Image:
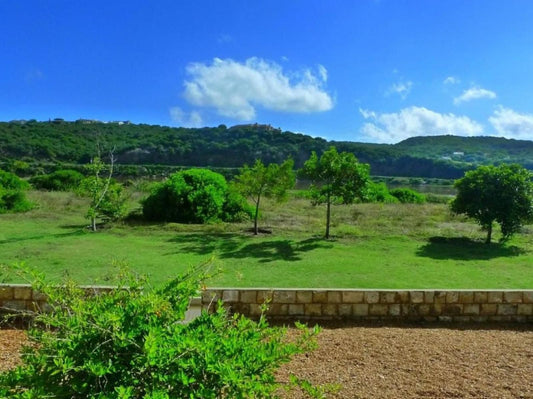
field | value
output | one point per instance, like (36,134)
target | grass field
(374,246)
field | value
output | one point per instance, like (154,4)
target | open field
(408,362)
(374,246)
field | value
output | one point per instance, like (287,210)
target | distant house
(458,154)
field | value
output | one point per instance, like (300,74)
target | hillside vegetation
(58,141)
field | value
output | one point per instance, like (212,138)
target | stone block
(296,309)
(284,297)
(320,297)
(402,297)
(479,319)
(395,309)
(488,309)
(471,309)
(388,297)
(466,297)
(507,310)
(278,309)
(330,310)
(255,309)
(6,293)
(15,305)
(495,297)
(334,297)
(378,309)
(440,297)
(304,296)
(462,319)
(372,297)
(352,296)
(417,296)
(445,319)
(512,297)
(452,309)
(436,309)
(230,296)
(424,309)
(528,297)
(525,309)
(345,309)
(452,297)
(209,296)
(38,296)
(249,296)
(264,296)
(313,309)
(429,296)
(360,309)
(480,297)
(22,293)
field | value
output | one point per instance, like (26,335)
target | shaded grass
(373,246)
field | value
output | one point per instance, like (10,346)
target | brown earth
(402,362)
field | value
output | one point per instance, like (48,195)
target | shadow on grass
(41,236)
(463,248)
(237,246)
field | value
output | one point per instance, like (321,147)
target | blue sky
(366,70)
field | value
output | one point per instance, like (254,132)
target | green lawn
(374,246)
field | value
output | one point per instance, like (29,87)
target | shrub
(60,180)
(132,343)
(12,195)
(378,192)
(408,196)
(194,196)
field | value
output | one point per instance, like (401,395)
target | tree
(270,181)
(106,195)
(12,193)
(502,194)
(194,196)
(336,178)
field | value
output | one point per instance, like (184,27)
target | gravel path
(402,362)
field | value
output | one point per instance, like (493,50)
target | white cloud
(474,93)
(511,124)
(235,89)
(415,121)
(401,88)
(451,80)
(193,119)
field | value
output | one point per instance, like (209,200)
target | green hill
(59,141)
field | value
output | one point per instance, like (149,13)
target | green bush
(133,343)
(12,195)
(194,196)
(60,180)
(408,196)
(378,192)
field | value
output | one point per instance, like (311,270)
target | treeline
(65,142)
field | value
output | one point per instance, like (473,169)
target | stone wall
(390,305)
(337,304)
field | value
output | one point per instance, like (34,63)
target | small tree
(270,181)
(502,194)
(12,193)
(336,178)
(106,195)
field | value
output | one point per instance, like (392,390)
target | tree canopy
(502,194)
(336,178)
(270,181)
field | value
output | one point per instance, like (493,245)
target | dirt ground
(402,361)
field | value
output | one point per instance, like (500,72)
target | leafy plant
(194,196)
(60,180)
(12,193)
(378,192)
(132,342)
(408,196)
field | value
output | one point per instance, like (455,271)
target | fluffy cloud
(451,80)
(193,119)
(474,93)
(235,89)
(401,88)
(415,121)
(511,124)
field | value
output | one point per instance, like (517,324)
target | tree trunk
(328,215)
(489,233)
(256,231)
(93,223)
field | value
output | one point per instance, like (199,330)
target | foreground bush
(60,180)
(12,193)
(195,196)
(133,343)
